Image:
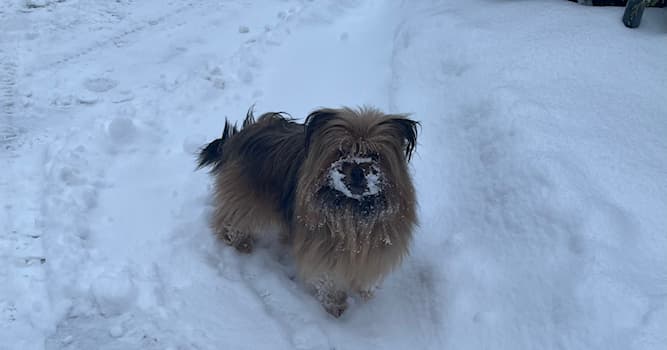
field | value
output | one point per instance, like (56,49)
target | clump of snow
(100,84)
(373,182)
(87,99)
(121,130)
(67,340)
(373,177)
(116,331)
(114,293)
(122,96)
(336,182)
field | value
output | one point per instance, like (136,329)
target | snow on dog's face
(356,177)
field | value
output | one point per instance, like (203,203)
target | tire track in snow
(26,306)
(24,303)
(118,38)
(8,130)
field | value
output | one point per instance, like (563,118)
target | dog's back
(256,167)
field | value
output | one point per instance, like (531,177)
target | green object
(634,10)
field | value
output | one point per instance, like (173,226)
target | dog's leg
(243,242)
(330,296)
(367,294)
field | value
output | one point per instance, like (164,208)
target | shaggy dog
(337,187)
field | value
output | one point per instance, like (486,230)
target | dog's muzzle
(355,177)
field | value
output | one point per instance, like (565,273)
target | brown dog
(337,187)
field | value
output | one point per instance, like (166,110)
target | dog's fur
(275,172)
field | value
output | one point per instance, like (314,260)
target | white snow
(373,179)
(540,171)
(373,183)
(121,130)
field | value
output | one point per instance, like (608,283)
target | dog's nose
(357,176)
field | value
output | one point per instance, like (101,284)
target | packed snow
(541,172)
(372,177)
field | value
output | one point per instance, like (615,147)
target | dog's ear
(407,130)
(316,120)
(249,117)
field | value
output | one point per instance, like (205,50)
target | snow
(540,172)
(373,178)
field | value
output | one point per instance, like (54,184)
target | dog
(337,187)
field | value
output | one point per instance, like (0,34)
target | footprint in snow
(100,84)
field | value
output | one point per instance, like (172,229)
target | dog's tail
(211,154)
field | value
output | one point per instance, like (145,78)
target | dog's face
(358,158)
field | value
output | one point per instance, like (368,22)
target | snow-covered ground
(541,172)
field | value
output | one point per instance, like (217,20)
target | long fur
(273,173)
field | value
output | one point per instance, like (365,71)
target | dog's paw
(334,302)
(245,245)
(242,242)
(367,295)
(336,310)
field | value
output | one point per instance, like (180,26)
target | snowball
(114,293)
(67,340)
(121,130)
(116,331)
